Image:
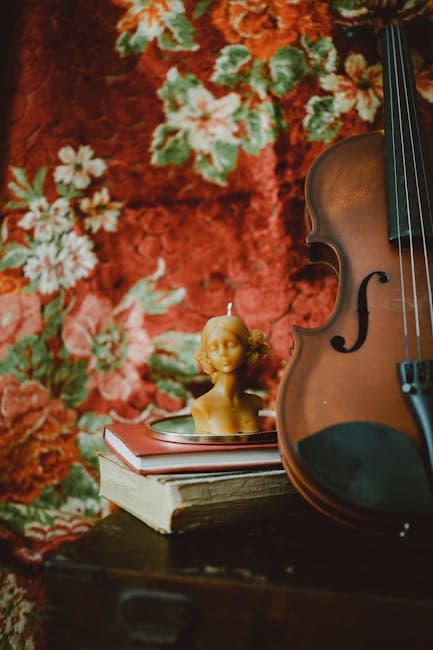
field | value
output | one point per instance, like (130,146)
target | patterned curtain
(153,159)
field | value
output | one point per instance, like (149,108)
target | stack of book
(175,487)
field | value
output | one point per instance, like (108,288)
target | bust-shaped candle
(227,351)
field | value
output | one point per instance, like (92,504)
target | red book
(147,455)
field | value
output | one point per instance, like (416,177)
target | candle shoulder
(215,413)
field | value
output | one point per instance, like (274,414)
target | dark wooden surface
(304,583)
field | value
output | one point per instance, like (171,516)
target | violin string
(424,165)
(410,101)
(397,203)
(424,179)
(408,207)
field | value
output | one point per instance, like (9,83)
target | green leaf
(29,359)
(288,66)
(80,485)
(166,42)
(92,422)
(71,379)
(258,135)
(74,392)
(209,172)
(183,33)
(32,287)
(20,191)
(53,316)
(4,230)
(12,516)
(228,64)
(18,515)
(223,161)
(21,177)
(131,43)
(48,499)
(68,191)
(16,205)
(169,146)
(14,257)
(322,54)
(23,187)
(174,92)
(53,307)
(172,388)
(90,445)
(39,179)
(174,354)
(257,80)
(152,301)
(201,8)
(321,122)
(225,155)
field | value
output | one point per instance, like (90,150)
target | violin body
(343,376)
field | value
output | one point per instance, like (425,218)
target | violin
(355,403)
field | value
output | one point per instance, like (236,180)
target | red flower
(114,341)
(19,315)
(264,27)
(37,445)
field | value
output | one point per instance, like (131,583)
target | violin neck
(409,178)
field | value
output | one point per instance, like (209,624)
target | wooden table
(304,583)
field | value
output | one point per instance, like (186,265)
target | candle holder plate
(180,428)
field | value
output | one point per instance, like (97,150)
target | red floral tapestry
(154,154)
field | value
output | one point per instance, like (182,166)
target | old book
(145,454)
(178,502)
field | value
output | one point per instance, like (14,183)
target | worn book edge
(175,502)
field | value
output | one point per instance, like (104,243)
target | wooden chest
(303,584)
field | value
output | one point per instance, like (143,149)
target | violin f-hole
(339,342)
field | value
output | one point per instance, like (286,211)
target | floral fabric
(153,170)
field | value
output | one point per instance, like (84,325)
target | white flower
(54,266)
(360,89)
(206,119)
(38,208)
(102,212)
(47,220)
(58,217)
(79,166)
(42,267)
(59,209)
(76,259)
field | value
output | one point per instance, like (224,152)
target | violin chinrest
(368,465)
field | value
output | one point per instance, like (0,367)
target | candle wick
(229,309)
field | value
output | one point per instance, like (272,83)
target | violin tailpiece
(416,378)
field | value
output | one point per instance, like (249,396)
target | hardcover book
(145,454)
(178,502)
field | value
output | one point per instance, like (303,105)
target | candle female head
(227,351)
(245,347)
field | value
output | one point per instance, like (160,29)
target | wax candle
(228,349)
